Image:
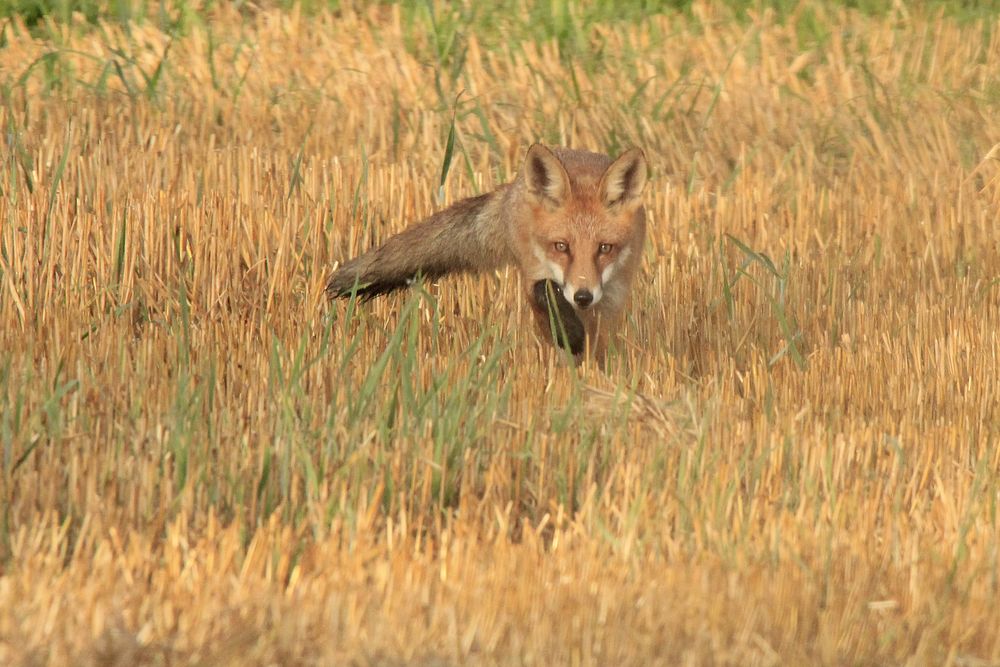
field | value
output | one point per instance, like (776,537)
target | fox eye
(605,248)
(561,246)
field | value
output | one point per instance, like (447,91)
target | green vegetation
(791,458)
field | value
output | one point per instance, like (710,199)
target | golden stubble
(795,466)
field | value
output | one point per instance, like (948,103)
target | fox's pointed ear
(623,182)
(544,176)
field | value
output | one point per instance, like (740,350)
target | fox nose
(583,298)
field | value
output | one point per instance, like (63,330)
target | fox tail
(465,237)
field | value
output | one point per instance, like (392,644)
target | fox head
(586,220)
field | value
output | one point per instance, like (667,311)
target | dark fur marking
(540,175)
(628,183)
(567,329)
(367,290)
(628,178)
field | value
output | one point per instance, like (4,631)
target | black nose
(583,298)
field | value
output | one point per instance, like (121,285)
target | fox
(573,224)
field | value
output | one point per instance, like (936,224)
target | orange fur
(572,217)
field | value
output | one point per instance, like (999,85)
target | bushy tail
(466,236)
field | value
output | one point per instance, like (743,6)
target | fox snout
(583,298)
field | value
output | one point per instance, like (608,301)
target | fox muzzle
(583,298)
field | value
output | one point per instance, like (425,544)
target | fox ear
(545,176)
(624,180)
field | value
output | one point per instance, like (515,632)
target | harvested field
(792,457)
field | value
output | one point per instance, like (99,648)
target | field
(791,458)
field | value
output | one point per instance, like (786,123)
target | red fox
(572,222)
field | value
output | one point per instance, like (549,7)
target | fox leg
(595,344)
(599,340)
(601,325)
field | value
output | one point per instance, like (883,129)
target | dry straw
(792,458)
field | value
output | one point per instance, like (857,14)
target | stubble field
(792,457)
